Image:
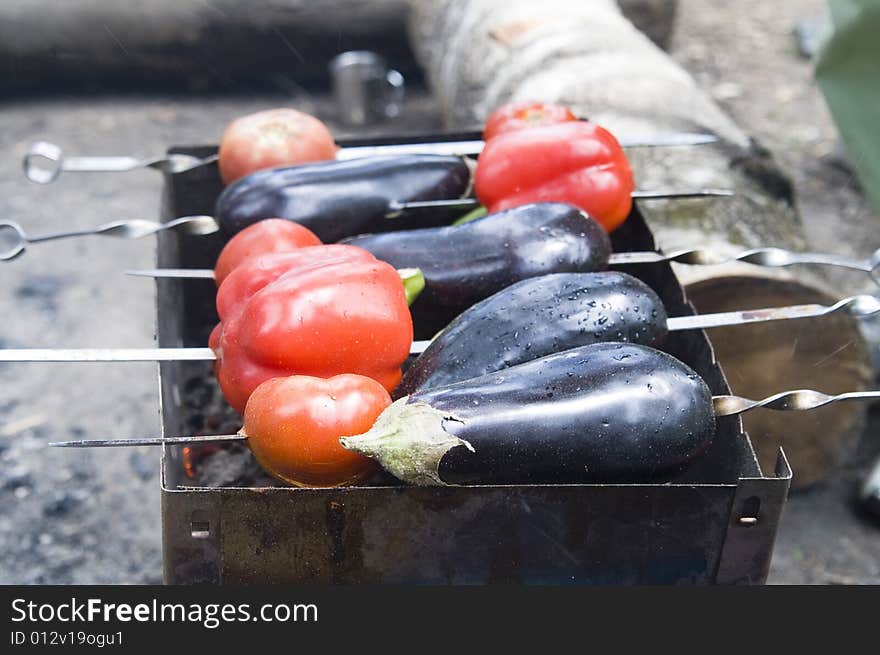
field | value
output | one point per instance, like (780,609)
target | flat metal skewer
(44,161)
(857,306)
(395,209)
(796,401)
(769,257)
(474,146)
(174,273)
(14,240)
(151,441)
(107,355)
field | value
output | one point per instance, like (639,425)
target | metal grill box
(714,523)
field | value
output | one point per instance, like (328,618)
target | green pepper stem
(413,282)
(472,215)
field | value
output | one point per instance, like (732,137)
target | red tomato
(261,238)
(276,137)
(519,115)
(294,424)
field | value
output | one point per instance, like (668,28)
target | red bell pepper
(519,115)
(259,270)
(329,310)
(254,273)
(575,162)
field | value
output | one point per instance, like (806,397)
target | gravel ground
(93,516)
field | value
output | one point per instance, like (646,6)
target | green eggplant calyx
(408,440)
(413,283)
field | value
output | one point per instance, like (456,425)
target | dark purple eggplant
(338,199)
(464,264)
(607,412)
(538,317)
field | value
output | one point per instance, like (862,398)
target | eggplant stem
(408,440)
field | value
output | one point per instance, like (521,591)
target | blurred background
(98,77)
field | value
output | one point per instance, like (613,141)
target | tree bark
(656,18)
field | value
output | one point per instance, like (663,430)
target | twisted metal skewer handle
(797,400)
(771,257)
(859,306)
(45,161)
(137,228)
(15,240)
(805,399)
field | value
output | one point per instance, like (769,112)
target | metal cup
(366,90)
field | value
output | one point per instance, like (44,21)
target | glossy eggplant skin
(338,199)
(467,263)
(538,317)
(608,412)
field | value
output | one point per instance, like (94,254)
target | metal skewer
(474,146)
(107,355)
(772,257)
(45,161)
(769,257)
(787,401)
(395,209)
(174,273)
(150,441)
(857,306)
(797,401)
(14,240)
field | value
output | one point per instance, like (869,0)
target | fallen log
(222,44)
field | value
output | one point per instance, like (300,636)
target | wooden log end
(828,354)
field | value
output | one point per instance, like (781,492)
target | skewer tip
(149,441)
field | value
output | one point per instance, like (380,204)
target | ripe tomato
(294,424)
(275,137)
(263,237)
(519,115)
